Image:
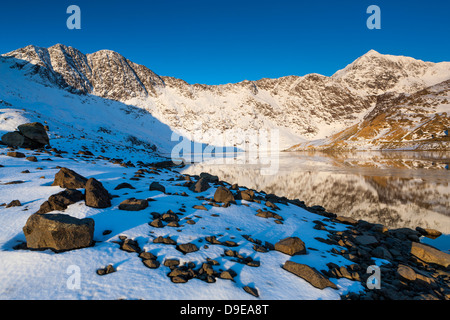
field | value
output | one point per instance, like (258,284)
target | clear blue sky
(216,42)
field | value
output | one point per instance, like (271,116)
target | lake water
(397,189)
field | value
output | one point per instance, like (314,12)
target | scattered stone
(130,245)
(222,194)
(96,195)
(200,186)
(66,178)
(32,159)
(15,154)
(145,255)
(247,195)
(252,291)
(406,273)
(156,186)
(14,203)
(152,264)
(291,246)
(109,269)
(157,223)
(187,248)
(164,240)
(309,274)
(133,204)
(171,263)
(124,185)
(346,220)
(59,232)
(429,254)
(228,274)
(429,233)
(200,207)
(61,200)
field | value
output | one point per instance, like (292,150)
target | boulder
(200,186)
(430,254)
(35,131)
(247,195)
(66,178)
(429,233)
(156,186)
(96,195)
(61,200)
(124,185)
(291,246)
(14,203)
(187,248)
(406,273)
(59,232)
(209,177)
(13,139)
(222,194)
(311,275)
(133,204)
(15,154)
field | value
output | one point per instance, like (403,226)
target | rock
(156,186)
(130,245)
(309,274)
(406,273)
(430,254)
(152,264)
(252,291)
(209,177)
(170,216)
(14,203)
(109,269)
(66,178)
(59,232)
(124,185)
(171,263)
(133,204)
(228,274)
(61,200)
(366,240)
(35,131)
(222,194)
(200,207)
(429,233)
(157,223)
(32,159)
(13,139)
(272,205)
(346,220)
(291,246)
(96,196)
(145,255)
(163,240)
(382,253)
(187,248)
(200,186)
(15,154)
(247,195)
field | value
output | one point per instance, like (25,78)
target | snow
(45,275)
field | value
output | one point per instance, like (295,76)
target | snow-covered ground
(26,274)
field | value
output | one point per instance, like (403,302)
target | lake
(397,189)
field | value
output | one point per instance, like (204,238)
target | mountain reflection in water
(397,189)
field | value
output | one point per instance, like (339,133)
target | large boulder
(200,186)
(291,246)
(35,131)
(311,275)
(66,178)
(222,194)
(96,195)
(59,232)
(61,200)
(13,139)
(430,254)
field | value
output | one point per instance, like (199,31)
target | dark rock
(145,255)
(157,223)
(133,204)
(156,186)
(130,245)
(14,203)
(222,194)
(96,195)
(429,233)
(61,200)
(15,154)
(291,246)
(187,248)
(200,186)
(32,159)
(35,131)
(13,139)
(309,274)
(66,178)
(209,177)
(346,220)
(124,185)
(247,195)
(59,232)
(109,269)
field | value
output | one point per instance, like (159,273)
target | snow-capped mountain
(302,109)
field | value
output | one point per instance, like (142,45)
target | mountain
(309,110)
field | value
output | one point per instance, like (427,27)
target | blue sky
(216,42)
